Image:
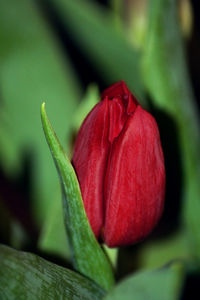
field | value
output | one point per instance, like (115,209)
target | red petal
(89,160)
(135,181)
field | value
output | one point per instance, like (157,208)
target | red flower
(119,162)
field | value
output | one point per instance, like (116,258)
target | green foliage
(53,235)
(157,253)
(164,283)
(88,257)
(33,68)
(27,276)
(53,239)
(167,80)
(91,98)
(92,28)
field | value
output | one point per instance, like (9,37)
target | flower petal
(89,160)
(135,181)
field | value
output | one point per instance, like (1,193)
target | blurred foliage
(105,47)
(53,238)
(166,77)
(62,52)
(164,283)
(33,68)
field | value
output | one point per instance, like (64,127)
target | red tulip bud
(119,162)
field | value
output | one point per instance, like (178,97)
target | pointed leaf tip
(89,259)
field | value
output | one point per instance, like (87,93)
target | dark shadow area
(191,287)
(127,261)
(104,2)
(174,181)
(5,224)
(15,206)
(15,195)
(53,258)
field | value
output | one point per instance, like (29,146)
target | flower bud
(119,162)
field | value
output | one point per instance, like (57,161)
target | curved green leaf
(53,235)
(28,276)
(89,259)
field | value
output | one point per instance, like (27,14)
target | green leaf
(28,276)
(89,258)
(164,283)
(93,30)
(112,254)
(155,254)
(166,77)
(53,235)
(33,69)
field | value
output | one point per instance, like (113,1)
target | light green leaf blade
(33,69)
(93,30)
(112,253)
(89,259)
(53,235)
(166,77)
(27,276)
(164,283)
